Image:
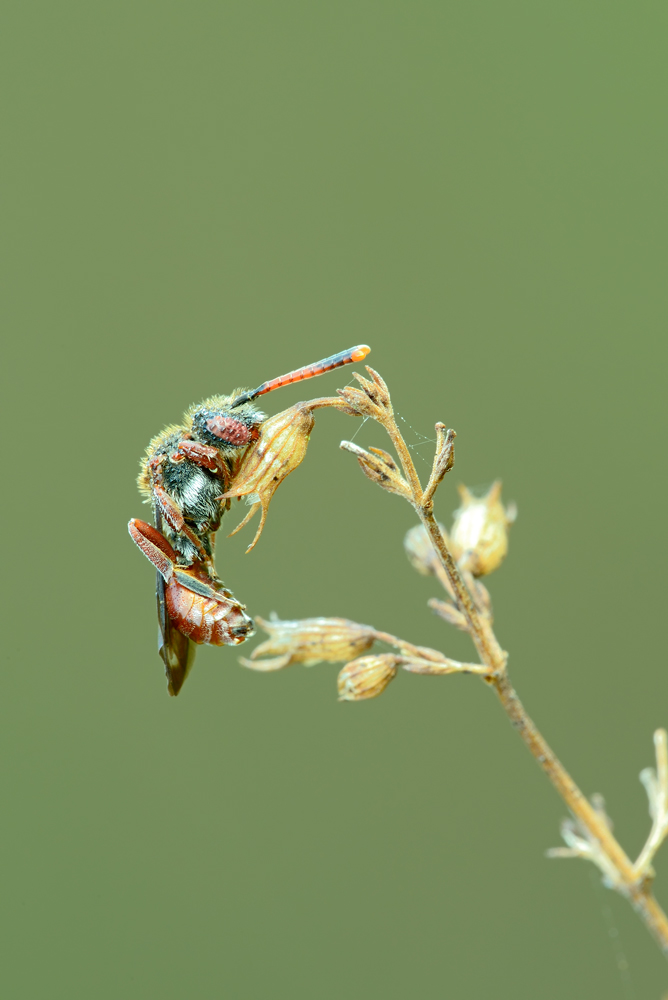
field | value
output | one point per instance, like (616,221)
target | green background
(202,195)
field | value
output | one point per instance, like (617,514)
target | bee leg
(155,547)
(204,455)
(174,518)
(176,649)
(168,508)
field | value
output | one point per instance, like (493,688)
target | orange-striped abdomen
(214,618)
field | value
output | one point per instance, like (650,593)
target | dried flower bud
(367,677)
(309,641)
(380,468)
(480,530)
(279,449)
(420,551)
(444,458)
(372,400)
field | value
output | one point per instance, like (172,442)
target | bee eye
(229,429)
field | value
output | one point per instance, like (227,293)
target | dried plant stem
(589,834)
(631,880)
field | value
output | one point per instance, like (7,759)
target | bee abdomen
(218,621)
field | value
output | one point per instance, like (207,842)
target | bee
(186,472)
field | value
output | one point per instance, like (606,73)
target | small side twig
(656,786)
(423,660)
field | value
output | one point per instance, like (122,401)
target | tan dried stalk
(589,834)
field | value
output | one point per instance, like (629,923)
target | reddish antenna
(308,371)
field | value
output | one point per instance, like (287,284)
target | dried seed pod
(480,530)
(279,449)
(380,468)
(309,641)
(367,677)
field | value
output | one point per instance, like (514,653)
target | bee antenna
(308,371)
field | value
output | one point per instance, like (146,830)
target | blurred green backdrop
(204,195)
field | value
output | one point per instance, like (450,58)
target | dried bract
(480,531)
(309,641)
(420,551)
(380,468)
(449,613)
(280,448)
(367,677)
(480,594)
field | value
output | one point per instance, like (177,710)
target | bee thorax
(212,424)
(229,429)
(195,490)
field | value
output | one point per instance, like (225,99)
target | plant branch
(629,879)
(589,834)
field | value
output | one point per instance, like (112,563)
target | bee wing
(176,650)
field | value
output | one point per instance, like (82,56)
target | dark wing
(176,649)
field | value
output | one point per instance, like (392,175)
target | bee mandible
(185,474)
